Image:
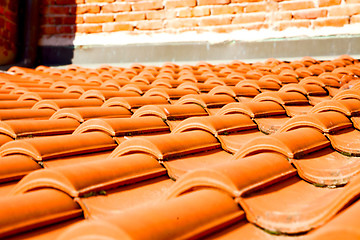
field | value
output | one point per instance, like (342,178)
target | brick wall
(66,17)
(8,34)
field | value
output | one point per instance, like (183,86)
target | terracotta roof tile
(233,150)
(66,103)
(194,214)
(82,114)
(273,208)
(12,114)
(132,103)
(47,207)
(21,128)
(45,148)
(80,179)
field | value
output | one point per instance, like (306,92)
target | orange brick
(256,7)
(79,19)
(282,25)
(67,2)
(116,7)
(66,29)
(201,11)
(89,28)
(179,3)
(214,21)
(149,25)
(281,16)
(331,22)
(310,13)
(249,18)
(327,3)
(212,2)
(48,29)
(52,9)
(87,8)
(62,19)
(220,29)
(131,16)
(344,10)
(296,5)
(155,15)
(181,23)
(245,1)
(99,1)
(170,13)
(98,18)
(355,19)
(183,12)
(226,9)
(115,27)
(147,5)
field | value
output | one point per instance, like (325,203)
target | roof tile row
(181,151)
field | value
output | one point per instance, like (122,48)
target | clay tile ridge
(66,103)
(253,109)
(24,127)
(292,144)
(134,102)
(206,100)
(170,112)
(326,122)
(79,179)
(45,148)
(84,113)
(236,177)
(216,124)
(168,145)
(123,126)
(193,214)
(35,209)
(347,94)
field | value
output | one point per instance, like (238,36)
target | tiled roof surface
(266,150)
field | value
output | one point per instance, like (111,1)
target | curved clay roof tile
(206,100)
(223,90)
(79,179)
(45,148)
(60,84)
(316,70)
(134,102)
(24,127)
(253,109)
(66,103)
(292,144)
(137,88)
(170,112)
(10,114)
(169,145)
(327,122)
(111,84)
(16,166)
(123,126)
(347,94)
(282,98)
(293,87)
(188,86)
(48,206)
(81,114)
(193,214)
(138,79)
(236,177)
(217,124)
(314,206)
